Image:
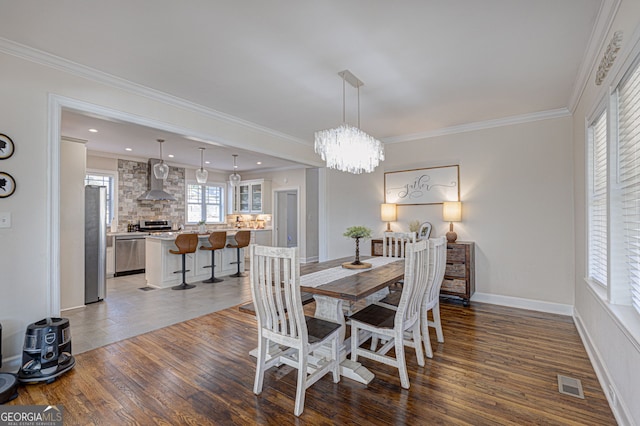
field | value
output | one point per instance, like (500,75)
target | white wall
(288,179)
(73,155)
(613,349)
(311,217)
(516,193)
(516,189)
(348,200)
(27,88)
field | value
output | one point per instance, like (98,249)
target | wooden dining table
(330,298)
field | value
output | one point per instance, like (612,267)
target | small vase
(202,228)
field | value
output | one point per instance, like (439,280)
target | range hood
(155,192)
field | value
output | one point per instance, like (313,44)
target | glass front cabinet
(251,197)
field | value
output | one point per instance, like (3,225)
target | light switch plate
(5,219)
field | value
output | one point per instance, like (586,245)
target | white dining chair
(392,324)
(431,301)
(394,243)
(275,288)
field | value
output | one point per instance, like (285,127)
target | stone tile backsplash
(133,180)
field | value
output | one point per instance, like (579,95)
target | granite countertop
(170,236)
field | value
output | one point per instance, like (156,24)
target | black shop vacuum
(8,381)
(47,351)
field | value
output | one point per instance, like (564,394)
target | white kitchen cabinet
(251,197)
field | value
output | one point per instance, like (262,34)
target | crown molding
(481,125)
(43,58)
(597,41)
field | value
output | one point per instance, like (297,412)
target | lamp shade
(388,212)
(452,211)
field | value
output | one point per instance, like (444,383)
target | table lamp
(452,212)
(388,214)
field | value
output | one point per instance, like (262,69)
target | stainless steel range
(154,225)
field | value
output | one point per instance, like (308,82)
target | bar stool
(242,240)
(217,240)
(187,243)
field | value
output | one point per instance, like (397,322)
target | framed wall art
(6,147)
(422,186)
(7,185)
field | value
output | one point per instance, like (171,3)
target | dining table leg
(331,309)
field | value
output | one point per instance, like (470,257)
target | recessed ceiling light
(207,162)
(93,130)
(170,155)
(259,162)
(128,149)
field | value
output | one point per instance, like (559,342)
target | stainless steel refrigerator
(95,243)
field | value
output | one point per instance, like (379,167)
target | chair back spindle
(416,279)
(275,287)
(394,243)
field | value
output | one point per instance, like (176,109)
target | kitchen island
(161,266)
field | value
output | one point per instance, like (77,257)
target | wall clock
(6,147)
(7,185)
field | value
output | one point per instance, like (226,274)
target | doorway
(286,217)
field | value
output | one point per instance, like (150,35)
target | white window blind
(629,177)
(597,199)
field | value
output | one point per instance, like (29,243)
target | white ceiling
(426,64)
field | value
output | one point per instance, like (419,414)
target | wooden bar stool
(217,241)
(186,243)
(242,240)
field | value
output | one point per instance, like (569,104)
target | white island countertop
(170,236)
(161,265)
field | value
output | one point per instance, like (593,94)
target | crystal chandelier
(234,178)
(161,170)
(347,148)
(201,173)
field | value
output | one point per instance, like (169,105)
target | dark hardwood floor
(498,365)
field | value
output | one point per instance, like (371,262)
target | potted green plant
(202,226)
(357,232)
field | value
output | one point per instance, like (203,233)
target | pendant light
(234,178)
(347,148)
(201,174)
(161,170)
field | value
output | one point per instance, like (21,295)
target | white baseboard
(517,302)
(74,307)
(309,259)
(618,406)
(11,364)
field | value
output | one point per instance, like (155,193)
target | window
(205,202)
(106,180)
(628,173)
(597,199)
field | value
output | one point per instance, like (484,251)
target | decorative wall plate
(6,147)
(7,185)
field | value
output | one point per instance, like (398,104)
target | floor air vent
(570,386)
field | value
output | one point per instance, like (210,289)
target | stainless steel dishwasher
(129,253)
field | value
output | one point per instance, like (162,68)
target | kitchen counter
(230,231)
(120,234)
(161,266)
(170,236)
